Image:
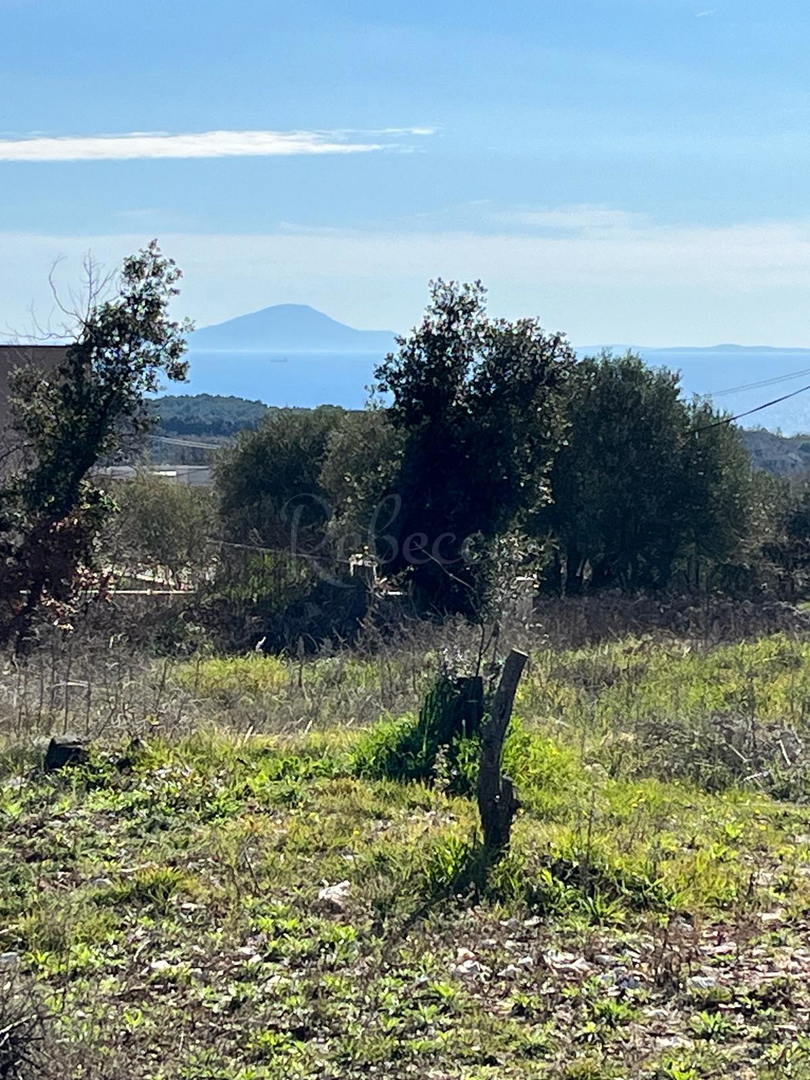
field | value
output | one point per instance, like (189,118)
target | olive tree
(647,484)
(480,403)
(160,527)
(51,511)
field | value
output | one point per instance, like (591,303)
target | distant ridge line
(289,328)
(694,349)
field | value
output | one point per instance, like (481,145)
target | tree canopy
(50,510)
(481,405)
(270,479)
(645,480)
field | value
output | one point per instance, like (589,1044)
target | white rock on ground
(335,896)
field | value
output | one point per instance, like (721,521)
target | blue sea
(310,379)
(740,380)
(302,380)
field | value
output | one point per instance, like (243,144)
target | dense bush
(646,486)
(161,528)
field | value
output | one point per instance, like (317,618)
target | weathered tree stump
(453,708)
(497,802)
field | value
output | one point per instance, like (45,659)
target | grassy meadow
(253,891)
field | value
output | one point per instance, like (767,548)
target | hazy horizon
(638,176)
(728,345)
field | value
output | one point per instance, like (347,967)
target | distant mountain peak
(289,328)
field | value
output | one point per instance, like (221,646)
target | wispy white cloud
(706,14)
(394,131)
(206,144)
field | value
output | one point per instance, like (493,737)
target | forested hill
(217,415)
(207,414)
(782,455)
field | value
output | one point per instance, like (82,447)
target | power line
(758,385)
(274,551)
(184,442)
(717,393)
(750,412)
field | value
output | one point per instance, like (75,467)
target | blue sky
(629,170)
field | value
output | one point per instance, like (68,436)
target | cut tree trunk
(497,802)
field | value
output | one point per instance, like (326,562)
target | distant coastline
(792,350)
(293,355)
(305,379)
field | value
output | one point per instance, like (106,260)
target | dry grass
(650,921)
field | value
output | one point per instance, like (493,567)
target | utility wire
(183,442)
(273,551)
(717,393)
(750,412)
(758,385)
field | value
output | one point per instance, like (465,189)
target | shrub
(23,1030)
(438,743)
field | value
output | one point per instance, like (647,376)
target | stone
(556,959)
(65,750)
(772,916)
(701,982)
(335,896)
(657,1013)
(467,968)
(728,948)
(467,964)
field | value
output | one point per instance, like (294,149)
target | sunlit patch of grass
(241,675)
(710,716)
(218,913)
(175,908)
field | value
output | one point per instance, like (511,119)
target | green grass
(170,916)
(650,920)
(716,718)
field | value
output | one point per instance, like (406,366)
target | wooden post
(497,803)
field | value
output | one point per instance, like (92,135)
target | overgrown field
(259,891)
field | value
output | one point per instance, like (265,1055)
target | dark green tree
(362,461)
(480,404)
(269,481)
(715,513)
(647,484)
(779,542)
(50,510)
